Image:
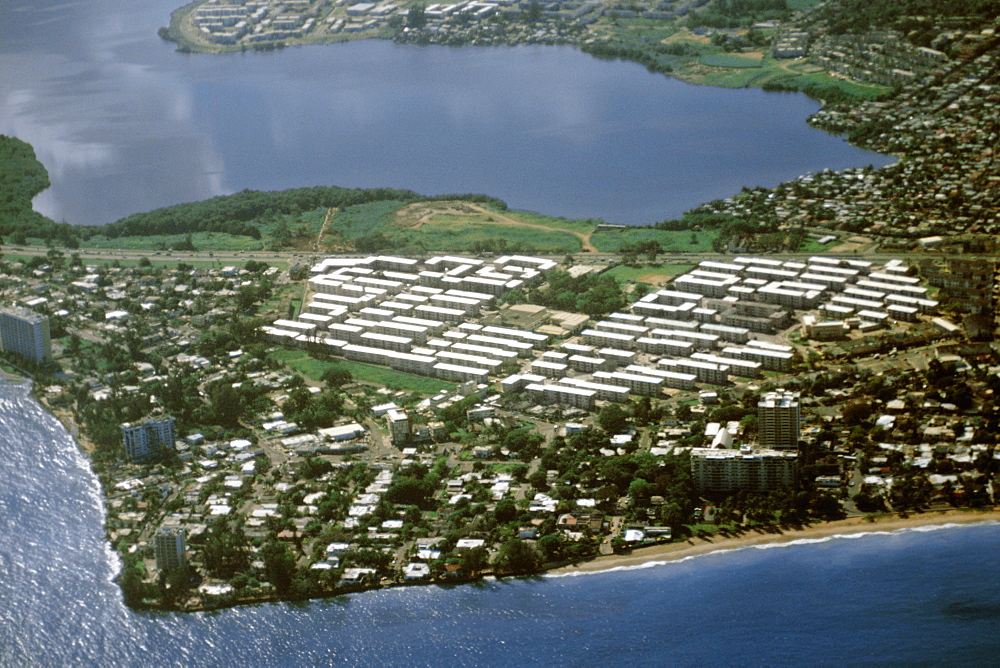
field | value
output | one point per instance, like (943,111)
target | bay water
(125,124)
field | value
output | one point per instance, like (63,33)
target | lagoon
(126,124)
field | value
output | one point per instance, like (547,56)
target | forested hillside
(21,178)
(248,213)
(242,212)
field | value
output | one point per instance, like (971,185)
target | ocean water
(921,596)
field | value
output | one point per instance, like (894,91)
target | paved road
(239,257)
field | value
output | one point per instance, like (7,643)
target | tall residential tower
(25,333)
(149,438)
(169,548)
(779,420)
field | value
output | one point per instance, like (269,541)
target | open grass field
(201,241)
(686,241)
(313,368)
(729,60)
(449,234)
(651,275)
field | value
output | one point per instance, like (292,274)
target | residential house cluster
(947,184)
(884,57)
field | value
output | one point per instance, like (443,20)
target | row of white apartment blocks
(836,287)
(414,315)
(704,333)
(614,374)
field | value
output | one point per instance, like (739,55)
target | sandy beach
(695,546)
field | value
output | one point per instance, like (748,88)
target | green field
(465,235)
(625,273)
(729,60)
(313,368)
(161,242)
(363,219)
(671,241)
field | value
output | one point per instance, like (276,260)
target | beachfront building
(25,333)
(169,548)
(149,438)
(725,470)
(779,420)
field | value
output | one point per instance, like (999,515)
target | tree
(612,419)
(539,480)
(506,511)
(411,491)
(516,558)
(856,412)
(337,376)
(226,552)
(534,12)
(133,588)
(640,490)
(550,546)
(279,565)
(416,18)
(474,560)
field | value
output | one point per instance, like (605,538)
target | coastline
(637,558)
(694,547)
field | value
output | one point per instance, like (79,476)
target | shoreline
(643,557)
(693,547)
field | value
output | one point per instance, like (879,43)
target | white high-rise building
(25,333)
(149,438)
(762,470)
(169,548)
(779,420)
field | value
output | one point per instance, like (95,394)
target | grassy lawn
(201,240)
(648,275)
(364,220)
(729,60)
(451,233)
(813,246)
(313,368)
(670,241)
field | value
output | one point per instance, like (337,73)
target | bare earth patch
(413,216)
(653,279)
(688,36)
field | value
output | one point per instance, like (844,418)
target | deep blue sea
(125,124)
(926,596)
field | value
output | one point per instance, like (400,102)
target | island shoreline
(854,526)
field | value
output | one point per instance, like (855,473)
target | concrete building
(779,420)
(149,438)
(399,426)
(169,548)
(25,333)
(718,470)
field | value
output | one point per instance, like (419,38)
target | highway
(310,257)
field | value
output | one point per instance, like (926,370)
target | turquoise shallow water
(926,596)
